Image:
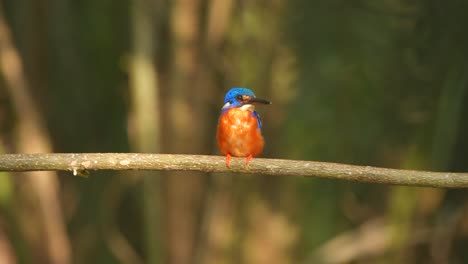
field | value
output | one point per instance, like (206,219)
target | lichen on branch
(84,162)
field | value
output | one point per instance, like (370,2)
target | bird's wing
(259,120)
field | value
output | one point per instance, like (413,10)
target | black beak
(255,100)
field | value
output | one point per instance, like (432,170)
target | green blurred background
(379,83)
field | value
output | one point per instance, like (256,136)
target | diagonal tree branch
(138,161)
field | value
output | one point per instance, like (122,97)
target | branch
(138,161)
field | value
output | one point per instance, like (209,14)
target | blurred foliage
(379,83)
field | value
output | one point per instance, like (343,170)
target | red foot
(228,160)
(247,160)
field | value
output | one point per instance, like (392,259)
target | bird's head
(243,98)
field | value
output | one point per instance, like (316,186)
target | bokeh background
(366,82)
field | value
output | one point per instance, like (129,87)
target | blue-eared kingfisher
(239,125)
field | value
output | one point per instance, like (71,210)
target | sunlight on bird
(239,126)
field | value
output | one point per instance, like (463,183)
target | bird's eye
(239,97)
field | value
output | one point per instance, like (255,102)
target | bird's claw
(228,160)
(247,160)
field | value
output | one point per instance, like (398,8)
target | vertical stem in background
(11,248)
(401,213)
(32,138)
(187,122)
(258,25)
(185,91)
(219,215)
(403,209)
(446,129)
(448,117)
(146,116)
(404,200)
(219,16)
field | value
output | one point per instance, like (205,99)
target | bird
(239,125)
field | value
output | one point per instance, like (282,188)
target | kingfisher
(239,125)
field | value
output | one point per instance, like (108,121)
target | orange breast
(238,134)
